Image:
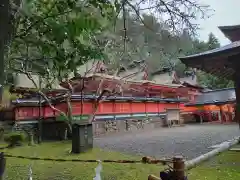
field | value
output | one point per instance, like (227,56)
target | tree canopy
(54,37)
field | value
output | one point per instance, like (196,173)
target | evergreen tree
(209,80)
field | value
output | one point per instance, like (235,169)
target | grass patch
(45,170)
(225,166)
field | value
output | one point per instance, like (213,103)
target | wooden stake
(178,167)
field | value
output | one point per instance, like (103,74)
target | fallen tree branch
(39,92)
(225,146)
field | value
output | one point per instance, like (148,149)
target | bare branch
(178,14)
(38,91)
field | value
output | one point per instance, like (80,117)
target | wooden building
(222,62)
(217,105)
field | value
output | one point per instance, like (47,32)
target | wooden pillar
(209,113)
(178,167)
(114,110)
(131,109)
(145,104)
(158,109)
(221,115)
(201,118)
(237,92)
(229,113)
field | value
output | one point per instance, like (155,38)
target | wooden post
(209,116)
(178,167)
(221,114)
(201,119)
(2,165)
(236,66)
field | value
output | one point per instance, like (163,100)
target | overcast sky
(226,13)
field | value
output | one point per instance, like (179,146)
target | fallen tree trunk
(225,146)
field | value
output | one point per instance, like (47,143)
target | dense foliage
(55,37)
(15,138)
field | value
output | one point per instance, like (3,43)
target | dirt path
(189,141)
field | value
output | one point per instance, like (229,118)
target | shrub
(14,139)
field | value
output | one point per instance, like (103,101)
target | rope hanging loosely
(145,160)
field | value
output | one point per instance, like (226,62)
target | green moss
(223,167)
(226,166)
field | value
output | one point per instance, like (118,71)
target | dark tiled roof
(216,62)
(35,101)
(231,32)
(215,97)
(226,48)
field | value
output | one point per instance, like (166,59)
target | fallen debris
(235,149)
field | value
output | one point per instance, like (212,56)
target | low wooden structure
(140,104)
(221,102)
(222,62)
(173,116)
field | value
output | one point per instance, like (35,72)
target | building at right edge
(221,62)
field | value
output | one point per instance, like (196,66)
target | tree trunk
(40,115)
(4,26)
(70,117)
(225,146)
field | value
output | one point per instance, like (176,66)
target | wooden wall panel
(86,109)
(151,107)
(138,107)
(48,112)
(122,107)
(105,108)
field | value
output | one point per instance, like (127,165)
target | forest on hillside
(54,37)
(150,40)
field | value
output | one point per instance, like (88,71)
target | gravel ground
(189,141)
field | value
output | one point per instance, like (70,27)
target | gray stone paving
(189,141)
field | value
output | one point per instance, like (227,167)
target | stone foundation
(57,130)
(121,126)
